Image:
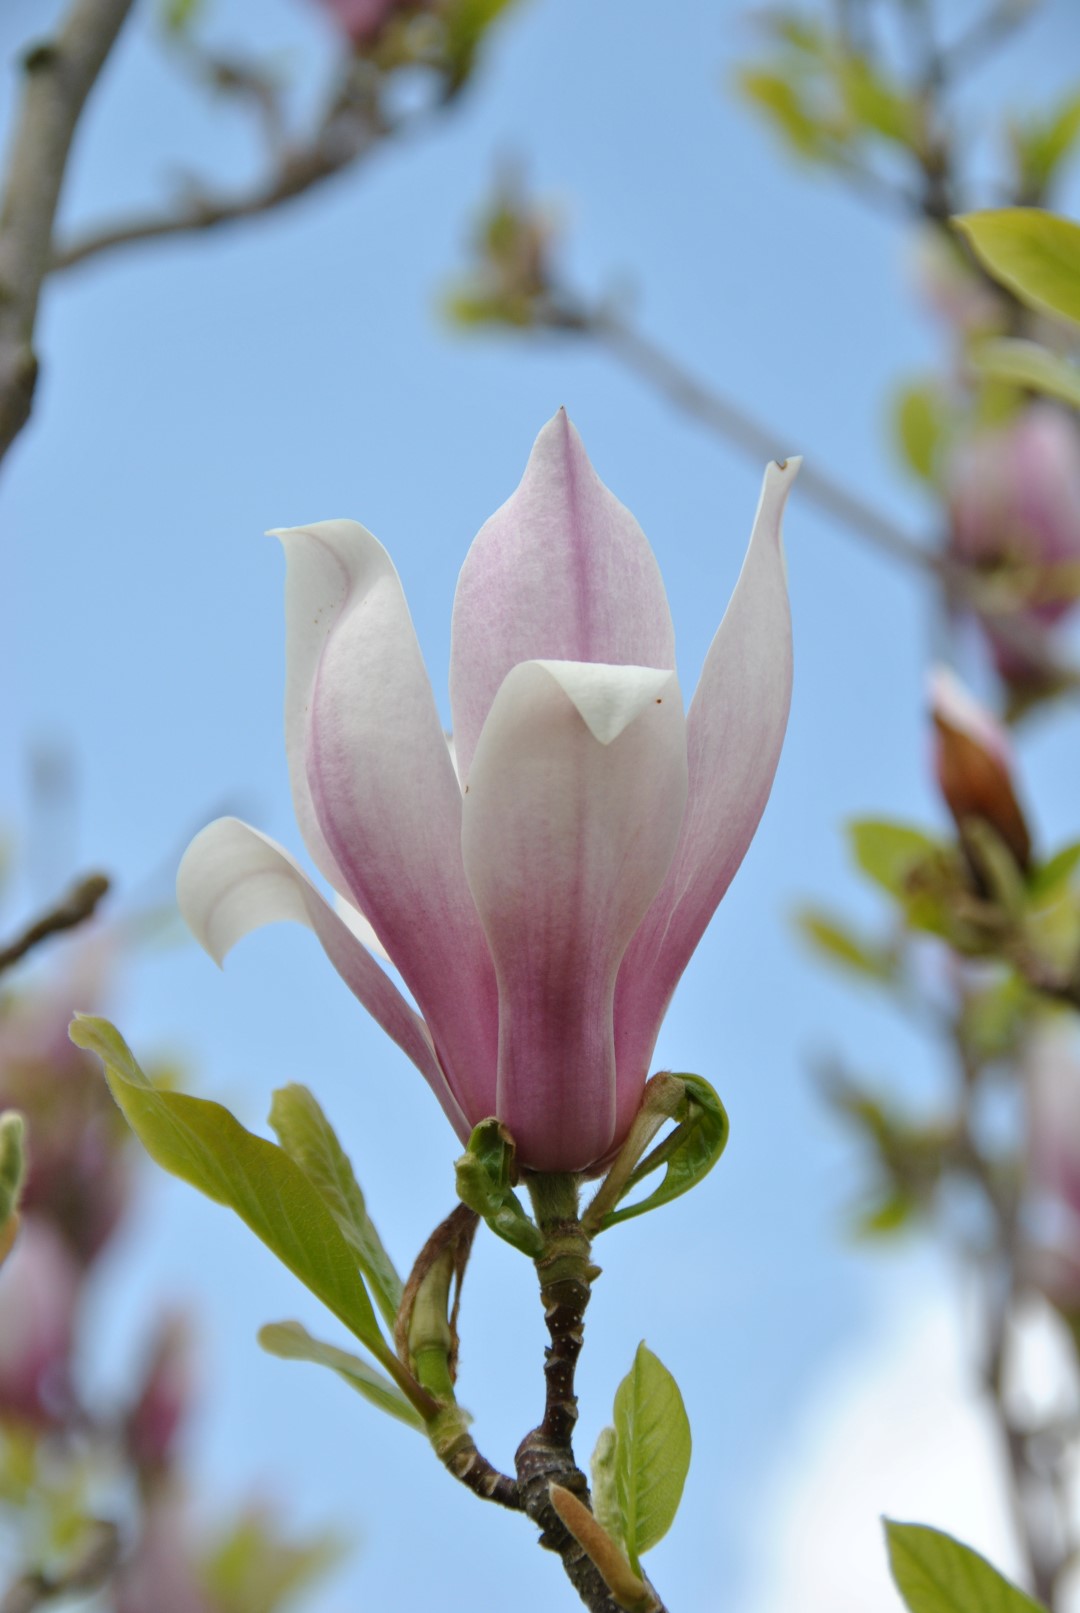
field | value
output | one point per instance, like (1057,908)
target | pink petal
(735,729)
(233,880)
(572,813)
(379,786)
(561,571)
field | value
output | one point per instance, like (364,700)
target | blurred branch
(75,909)
(986,33)
(727,420)
(92,1568)
(58,77)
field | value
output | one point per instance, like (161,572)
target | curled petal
(735,728)
(572,812)
(561,571)
(379,785)
(233,880)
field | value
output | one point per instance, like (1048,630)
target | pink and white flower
(542,909)
(1014,502)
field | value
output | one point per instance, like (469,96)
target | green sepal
(689,1152)
(206,1146)
(485,1174)
(308,1138)
(291,1341)
(652,1453)
(936,1574)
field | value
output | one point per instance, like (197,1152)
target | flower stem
(546,1455)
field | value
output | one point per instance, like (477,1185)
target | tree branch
(59,75)
(546,1455)
(78,906)
(353,127)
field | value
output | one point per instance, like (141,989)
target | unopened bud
(973,761)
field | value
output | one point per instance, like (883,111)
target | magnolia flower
(542,909)
(1014,499)
(39,1294)
(974,764)
(1052,1248)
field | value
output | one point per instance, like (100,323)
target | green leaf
(782,104)
(891,1213)
(876,104)
(292,1342)
(252,1569)
(689,1152)
(920,428)
(1027,364)
(308,1138)
(181,15)
(484,1175)
(936,1574)
(889,853)
(652,1453)
(1042,144)
(1054,876)
(831,937)
(1034,253)
(203,1144)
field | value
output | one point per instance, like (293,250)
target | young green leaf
(833,940)
(292,1342)
(605,1494)
(920,426)
(203,1144)
(308,1138)
(1027,364)
(652,1453)
(936,1574)
(890,853)
(689,1152)
(1034,253)
(484,1174)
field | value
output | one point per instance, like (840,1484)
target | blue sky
(198,393)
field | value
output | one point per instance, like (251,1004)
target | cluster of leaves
(827,100)
(1017,929)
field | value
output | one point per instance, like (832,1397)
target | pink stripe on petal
(572,813)
(383,791)
(561,571)
(735,728)
(233,880)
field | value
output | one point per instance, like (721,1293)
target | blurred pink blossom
(162,1575)
(39,1292)
(79,1150)
(1014,501)
(1052,1259)
(362,20)
(542,907)
(158,1415)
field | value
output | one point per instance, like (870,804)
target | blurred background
(305,364)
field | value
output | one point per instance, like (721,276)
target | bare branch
(77,906)
(353,127)
(59,75)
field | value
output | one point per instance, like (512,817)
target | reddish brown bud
(973,761)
